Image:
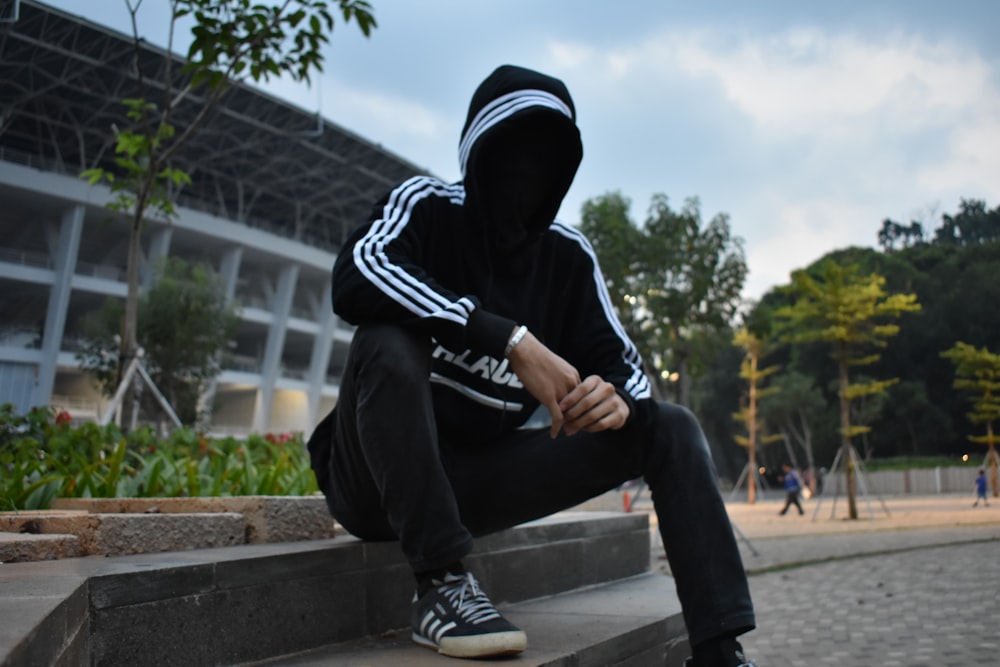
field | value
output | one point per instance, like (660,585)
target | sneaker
(728,653)
(456,618)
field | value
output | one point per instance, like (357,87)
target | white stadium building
(275,191)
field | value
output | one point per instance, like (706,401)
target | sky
(806,123)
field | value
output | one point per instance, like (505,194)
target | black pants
(792,498)
(388,475)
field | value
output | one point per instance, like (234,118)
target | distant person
(793,486)
(474,307)
(981,489)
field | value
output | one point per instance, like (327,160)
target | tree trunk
(845,439)
(683,380)
(992,454)
(808,447)
(655,382)
(752,433)
(130,342)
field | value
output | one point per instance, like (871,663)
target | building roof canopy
(257,159)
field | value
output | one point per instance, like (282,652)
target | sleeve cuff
(630,402)
(489,332)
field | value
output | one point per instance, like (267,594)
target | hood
(519,152)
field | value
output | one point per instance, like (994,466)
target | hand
(547,376)
(593,406)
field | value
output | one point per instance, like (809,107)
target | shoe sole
(477,646)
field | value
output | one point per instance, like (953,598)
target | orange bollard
(627,500)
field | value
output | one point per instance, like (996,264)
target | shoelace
(468,599)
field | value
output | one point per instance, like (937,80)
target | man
(981,489)
(793,486)
(473,308)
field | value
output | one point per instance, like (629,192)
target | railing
(24,258)
(103,271)
(15,336)
(241,362)
(952,479)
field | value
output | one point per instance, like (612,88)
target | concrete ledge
(252,602)
(117,526)
(268,518)
(116,534)
(21,547)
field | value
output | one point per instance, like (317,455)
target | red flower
(63,418)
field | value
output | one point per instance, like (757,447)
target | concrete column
(281,306)
(159,248)
(322,348)
(64,263)
(229,272)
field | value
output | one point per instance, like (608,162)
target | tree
(892,232)
(754,348)
(184,325)
(715,395)
(670,278)
(846,310)
(617,240)
(232,42)
(978,375)
(973,224)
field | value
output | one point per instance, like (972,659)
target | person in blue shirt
(981,489)
(792,488)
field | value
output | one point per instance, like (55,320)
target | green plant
(43,456)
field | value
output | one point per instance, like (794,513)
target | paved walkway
(917,586)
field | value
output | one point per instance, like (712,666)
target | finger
(603,392)
(578,392)
(590,418)
(611,421)
(557,418)
(611,414)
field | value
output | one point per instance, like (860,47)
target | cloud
(403,125)
(973,163)
(802,79)
(382,115)
(798,78)
(391,116)
(800,227)
(813,136)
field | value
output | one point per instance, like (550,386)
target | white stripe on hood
(503,107)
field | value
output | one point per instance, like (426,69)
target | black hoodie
(467,262)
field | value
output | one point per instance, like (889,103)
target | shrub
(43,456)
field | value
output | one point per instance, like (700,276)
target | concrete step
(244,603)
(635,622)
